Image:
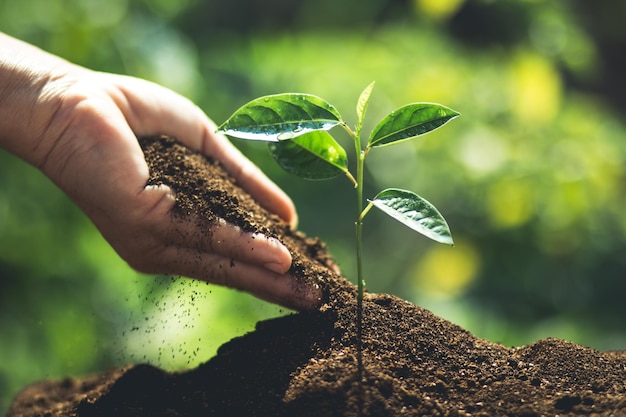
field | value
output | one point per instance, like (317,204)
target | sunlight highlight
(537,89)
(447,272)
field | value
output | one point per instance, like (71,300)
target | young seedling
(297,128)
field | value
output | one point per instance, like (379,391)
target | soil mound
(306,364)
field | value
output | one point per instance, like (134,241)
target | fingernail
(293,224)
(276,267)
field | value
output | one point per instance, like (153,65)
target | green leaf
(414,212)
(410,121)
(281,116)
(361,106)
(314,156)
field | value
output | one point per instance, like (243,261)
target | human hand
(81,131)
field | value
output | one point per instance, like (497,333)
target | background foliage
(530,179)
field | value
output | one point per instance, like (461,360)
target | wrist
(28,79)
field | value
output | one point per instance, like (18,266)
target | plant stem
(359,251)
(359,225)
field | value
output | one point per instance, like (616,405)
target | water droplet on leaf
(285,136)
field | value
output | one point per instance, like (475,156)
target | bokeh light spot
(446,272)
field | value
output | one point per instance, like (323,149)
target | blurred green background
(530,178)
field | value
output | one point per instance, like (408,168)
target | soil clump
(305,364)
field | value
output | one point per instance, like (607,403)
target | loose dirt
(305,364)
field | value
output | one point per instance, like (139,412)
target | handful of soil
(305,364)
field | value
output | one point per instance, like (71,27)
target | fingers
(230,241)
(217,252)
(277,288)
(216,236)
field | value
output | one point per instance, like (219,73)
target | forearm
(27,76)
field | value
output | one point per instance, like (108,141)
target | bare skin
(79,127)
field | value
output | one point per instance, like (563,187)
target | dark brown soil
(305,364)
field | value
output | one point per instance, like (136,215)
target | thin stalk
(359,225)
(359,252)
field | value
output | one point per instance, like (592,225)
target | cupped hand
(83,133)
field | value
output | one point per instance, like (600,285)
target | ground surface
(414,363)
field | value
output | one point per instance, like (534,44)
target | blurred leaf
(314,156)
(361,105)
(280,117)
(410,121)
(415,212)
